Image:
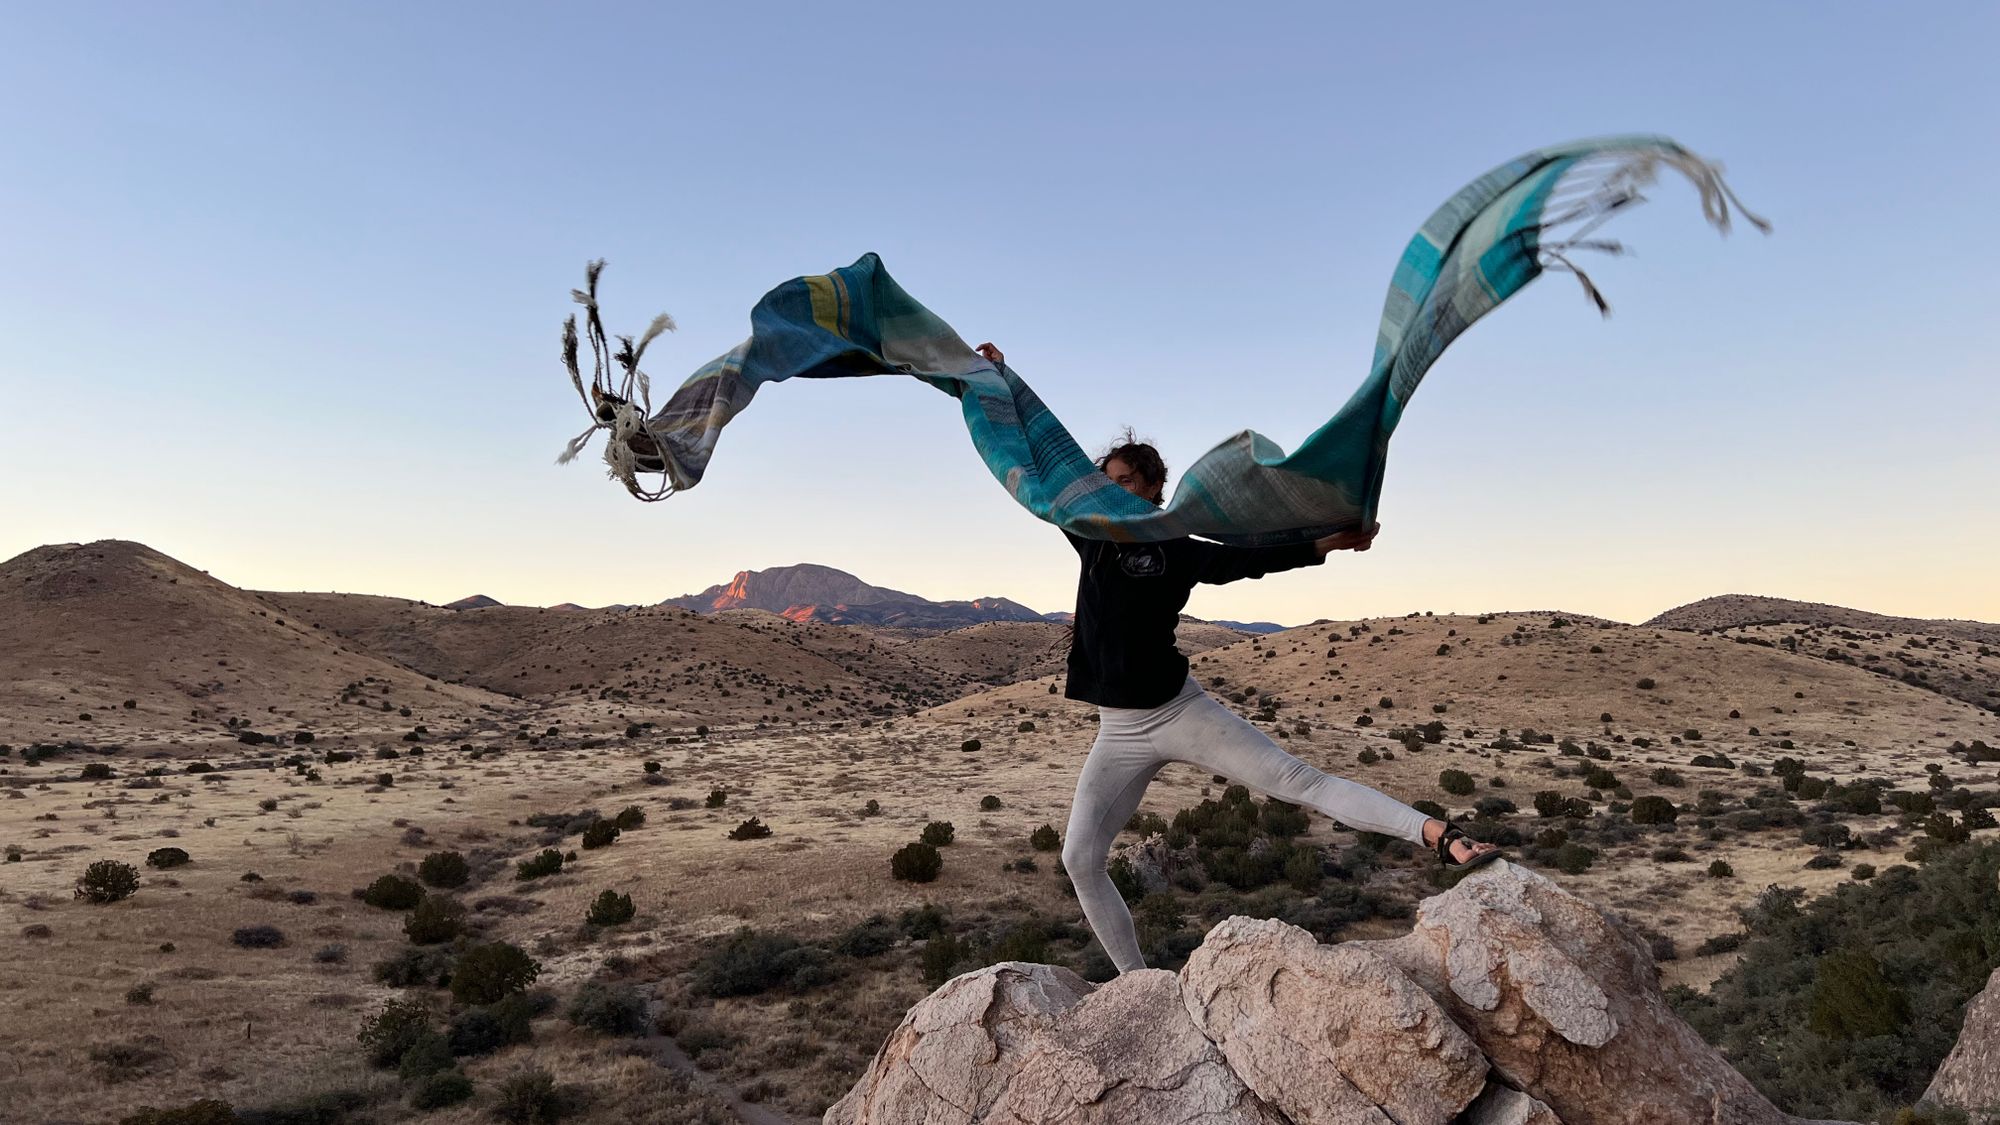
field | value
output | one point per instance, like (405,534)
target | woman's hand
(1354,540)
(993,355)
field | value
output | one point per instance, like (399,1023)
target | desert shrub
(393,892)
(1456,782)
(429,1054)
(1827,835)
(1646,683)
(870,938)
(1672,853)
(1862,871)
(717,798)
(1597,777)
(609,909)
(444,869)
(1574,859)
(989,803)
(920,922)
(107,880)
(938,833)
(1654,810)
(438,918)
(97,771)
(1493,807)
(1720,869)
(1824,861)
(485,1029)
(1044,839)
(485,974)
(601,834)
(1812,788)
(257,937)
(629,817)
(652,766)
(1368,757)
(1548,803)
(752,829)
(1667,777)
(391,1032)
(416,968)
(916,862)
(752,962)
(607,1008)
(445,1088)
(1431,809)
(1282,820)
(969,745)
(1844,1007)
(166,857)
(207,1111)
(1026,726)
(531,1097)
(546,862)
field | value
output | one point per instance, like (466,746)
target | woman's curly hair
(1144,459)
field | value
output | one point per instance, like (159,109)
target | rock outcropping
(1970,1076)
(1511,1002)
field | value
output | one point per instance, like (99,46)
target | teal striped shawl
(1493,237)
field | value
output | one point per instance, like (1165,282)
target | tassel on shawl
(1599,186)
(615,410)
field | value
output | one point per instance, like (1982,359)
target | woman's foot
(1463,850)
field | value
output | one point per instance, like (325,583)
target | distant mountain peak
(476,601)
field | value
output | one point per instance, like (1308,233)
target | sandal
(1443,848)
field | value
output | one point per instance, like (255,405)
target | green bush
(392,1031)
(1456,782)
(916,862)
(1851,999)
(437,919)
(484,1030)
(1720,869)
(257,937)
(717,798)
(752,829)
(1548,803)
(97,771)
(444,869)
(486,974)
(531,1097)
(166,857)
(969,745)
(1600,778)
(1654,810)
(546,862)
(610,1009)
(609,909)
(1044,839)
(600,834)
(1667,777)
(107,880)
(416,968)
(751,962)
(1574,858)
(1026,726)
(1844,1007)
(629,817)
(393,892)
(445,1088)
(430,1054)
(938,833)
(988,803)
(207,1111)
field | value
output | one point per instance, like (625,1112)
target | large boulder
(1511,1002)
(1970,1076)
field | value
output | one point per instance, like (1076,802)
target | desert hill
(1730,611)
(1954,658)
(142,643)
(810,592)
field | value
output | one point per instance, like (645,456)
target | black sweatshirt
(1129,599)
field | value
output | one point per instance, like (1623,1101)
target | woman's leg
(1219,740)
(1115,775)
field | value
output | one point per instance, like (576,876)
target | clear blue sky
(281,287)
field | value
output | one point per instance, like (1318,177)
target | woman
(1151,711)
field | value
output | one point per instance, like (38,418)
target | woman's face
(1129,479)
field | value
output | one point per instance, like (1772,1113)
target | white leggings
(1134,743)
